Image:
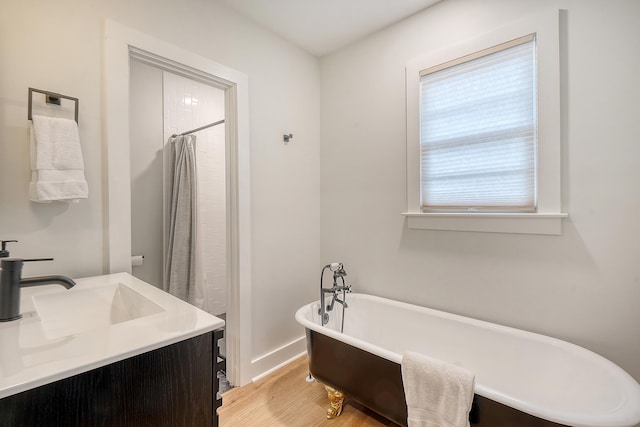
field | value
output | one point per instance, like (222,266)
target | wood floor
(284,398)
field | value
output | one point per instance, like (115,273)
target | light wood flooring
(284,398)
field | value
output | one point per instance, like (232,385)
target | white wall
(583,286)
(57,46)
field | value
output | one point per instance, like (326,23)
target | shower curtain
(183,276)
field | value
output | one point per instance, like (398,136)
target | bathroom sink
(101,320)
(78,310)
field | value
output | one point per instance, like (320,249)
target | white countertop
(35,351)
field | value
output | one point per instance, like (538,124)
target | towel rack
(51,98)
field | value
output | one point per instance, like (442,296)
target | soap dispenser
(4,253)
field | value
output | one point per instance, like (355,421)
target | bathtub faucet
(336,299)
(338,272)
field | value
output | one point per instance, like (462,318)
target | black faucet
(4,252)
(11,281)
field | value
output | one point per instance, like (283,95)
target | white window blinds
(478,131)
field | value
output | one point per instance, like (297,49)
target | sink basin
(74,311)
(101,320)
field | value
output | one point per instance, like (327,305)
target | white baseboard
(276,359)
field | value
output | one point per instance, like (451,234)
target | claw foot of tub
(336,398)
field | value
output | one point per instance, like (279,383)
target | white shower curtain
(184,276)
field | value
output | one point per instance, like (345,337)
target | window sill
(517,223)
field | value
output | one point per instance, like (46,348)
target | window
(478,131)
(483,132)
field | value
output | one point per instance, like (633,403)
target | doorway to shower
(164,104)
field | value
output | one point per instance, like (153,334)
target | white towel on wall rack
(57,166)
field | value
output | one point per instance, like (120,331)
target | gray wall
(146,144)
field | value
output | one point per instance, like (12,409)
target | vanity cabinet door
(171,386)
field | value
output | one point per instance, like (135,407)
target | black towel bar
(51,98)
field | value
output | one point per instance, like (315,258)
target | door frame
(120,44)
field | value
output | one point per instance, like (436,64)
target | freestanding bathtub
(522,378)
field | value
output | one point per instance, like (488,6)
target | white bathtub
(535,374)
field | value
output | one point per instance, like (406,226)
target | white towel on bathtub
(438,394)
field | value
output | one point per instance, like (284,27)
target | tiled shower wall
(189,104)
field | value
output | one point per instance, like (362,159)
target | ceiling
(323,26)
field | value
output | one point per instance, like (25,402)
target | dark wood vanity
(172,386)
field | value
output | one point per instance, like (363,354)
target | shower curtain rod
(200,128)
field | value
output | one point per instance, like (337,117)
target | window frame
(548,217)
